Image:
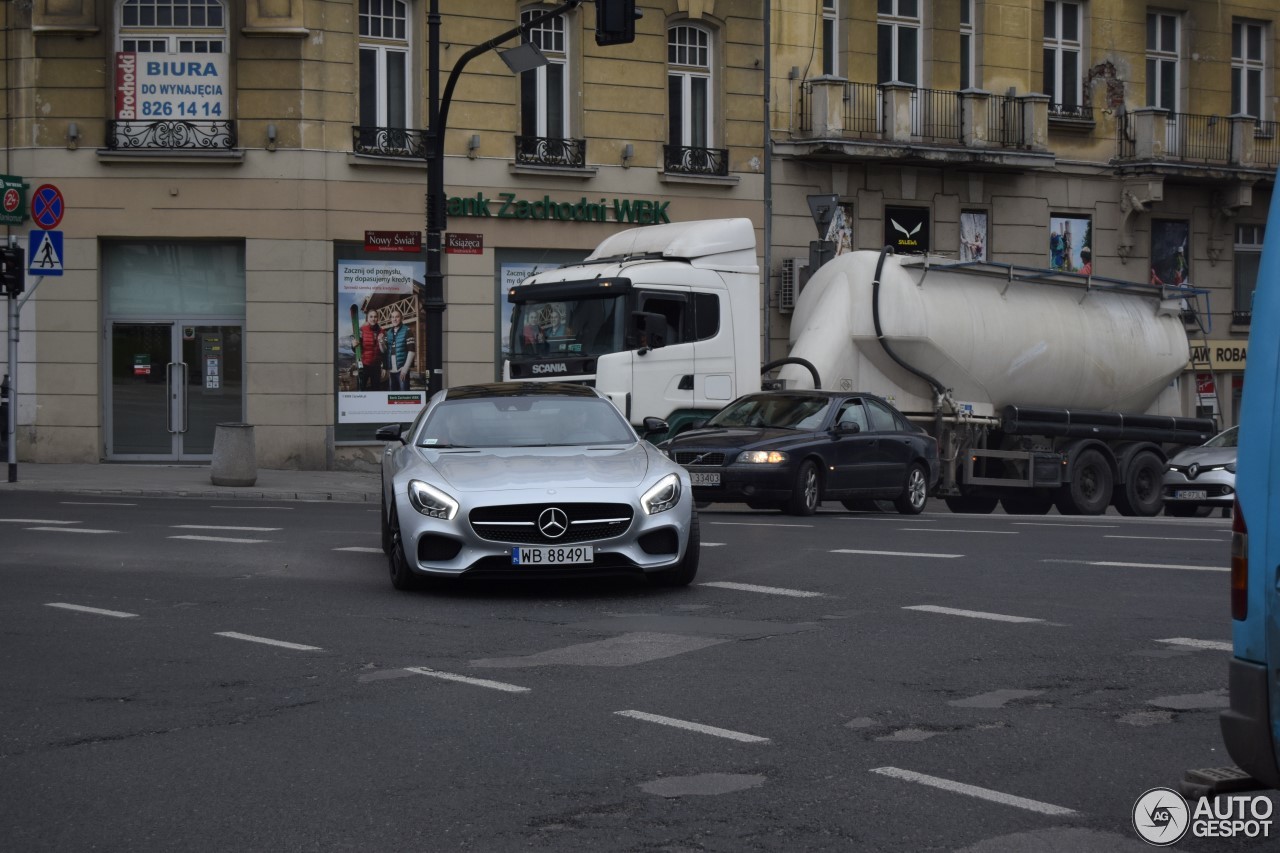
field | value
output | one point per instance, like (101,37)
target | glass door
(172,383)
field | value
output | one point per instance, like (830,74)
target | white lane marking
(93,503)
(896,554)
(281,643)
(1061,524)
(713,544)
(220,539)
(951,530)
(1162,538)
(974,791)
(692,727)
(769,590)
(756,524)
(34,521)
(224,527)
(82,609)
(972,614)
(360,549)
(870,517)
(223,506)
(475,682)
(1216,645)
(1113,564)
(70,530)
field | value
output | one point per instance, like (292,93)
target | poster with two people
(380,341)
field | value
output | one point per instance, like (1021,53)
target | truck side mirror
(648,330)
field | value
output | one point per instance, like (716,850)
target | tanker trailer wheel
(1031,504)
(915,494)
(806,492)
(974,504)
(1090,488)
(1140,492)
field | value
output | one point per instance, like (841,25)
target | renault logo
(1193,471)
(553,522)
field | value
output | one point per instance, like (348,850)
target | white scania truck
(1042,389)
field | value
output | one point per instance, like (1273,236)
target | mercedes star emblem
(553,522)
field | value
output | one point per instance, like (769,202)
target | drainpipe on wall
(767,277)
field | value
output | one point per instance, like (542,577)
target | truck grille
(700,457)
(517,524)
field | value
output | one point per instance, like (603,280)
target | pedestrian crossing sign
(44,255)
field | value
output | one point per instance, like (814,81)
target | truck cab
(662,320)
(1251,726)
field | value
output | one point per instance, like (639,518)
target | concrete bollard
(235,460)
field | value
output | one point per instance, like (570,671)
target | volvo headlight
(663,496)
(762,457)
(430,501)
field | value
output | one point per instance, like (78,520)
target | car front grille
(517,524)
(700,457)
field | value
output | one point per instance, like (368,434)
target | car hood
(737,438)
(525,468)
(1205,456)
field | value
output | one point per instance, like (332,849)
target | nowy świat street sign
(13,200)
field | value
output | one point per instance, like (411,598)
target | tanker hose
(813,371)
(939,392)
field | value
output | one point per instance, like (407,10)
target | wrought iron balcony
(389,142)
(550,151)
(171,135)
(1071,112)
(687,160)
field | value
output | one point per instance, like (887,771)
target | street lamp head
(524,57)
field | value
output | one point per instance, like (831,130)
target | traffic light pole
(15,311)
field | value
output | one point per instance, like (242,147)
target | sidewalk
(189,481)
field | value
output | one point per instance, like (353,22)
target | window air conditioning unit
(793,278)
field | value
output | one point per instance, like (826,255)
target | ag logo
(1161,817)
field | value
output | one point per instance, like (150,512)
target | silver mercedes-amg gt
(524,479)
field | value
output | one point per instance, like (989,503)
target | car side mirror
(699,423)
(654,425)
(848,427)
(390,432)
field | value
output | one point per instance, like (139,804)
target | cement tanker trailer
(1043,389)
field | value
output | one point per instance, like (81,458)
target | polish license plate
(704,478)
(556,556)
(1191,495)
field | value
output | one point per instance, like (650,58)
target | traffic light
(616,21)
(12,274)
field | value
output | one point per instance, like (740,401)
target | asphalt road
(183,674)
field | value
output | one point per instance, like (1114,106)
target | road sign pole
(15,311)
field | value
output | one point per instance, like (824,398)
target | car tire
(971,504)
(1140,493)
(683,573)
(1091,486)
(806,492)
(386,527)
(403,578)
(915,493)
(1026,504)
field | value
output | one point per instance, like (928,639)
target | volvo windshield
(568,327)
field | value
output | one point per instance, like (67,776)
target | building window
(1163,53)
(384,64)
(968,43)
(1248,258)
(689,86)
(898,45)
(1063,33)
(830,38)
(544,92)
(172,26)
(1248,67)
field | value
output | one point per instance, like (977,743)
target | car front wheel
(683,573)
(402,577)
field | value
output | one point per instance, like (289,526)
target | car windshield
(524,422)
(1227,438)
(782,411)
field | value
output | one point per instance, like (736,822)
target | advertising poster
(163,86)
(1070,242)
(906,229)
(973,235)
(513,274)
(1169,255)
(840,234)
(380,342)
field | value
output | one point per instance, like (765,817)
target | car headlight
(662,496)
(762,457)
(430,501)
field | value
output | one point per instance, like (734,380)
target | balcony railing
(1205,139)
(389,142)
(686,160)
(169,135)
(1074,112)
(1004,121)
(1266,144)
(550,151)
(935,115)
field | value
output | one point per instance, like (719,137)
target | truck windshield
(592,326)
